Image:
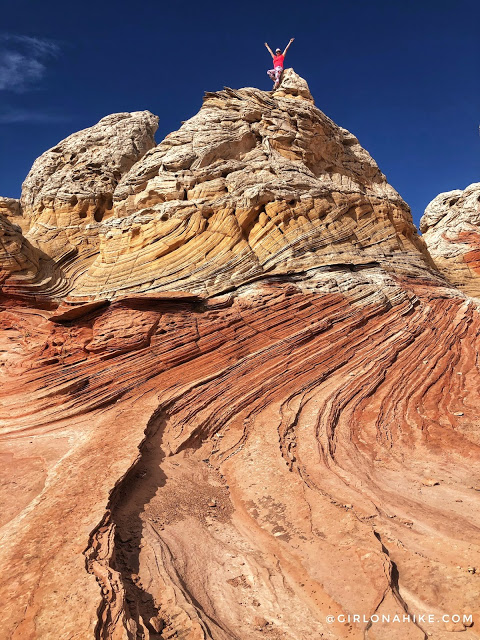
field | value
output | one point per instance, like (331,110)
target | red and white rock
(262,425)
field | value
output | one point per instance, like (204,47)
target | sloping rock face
(451,228)
(255,418)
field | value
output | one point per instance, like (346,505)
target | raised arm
(269,50)
(286,48)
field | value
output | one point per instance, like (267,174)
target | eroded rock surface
(10,207)
(451,228)
(249,415)
(66,193)
(80,174)
(17,256)
(254,184)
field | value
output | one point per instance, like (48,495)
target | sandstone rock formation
(247,400)
(451,228)
(67,192)
(10,207)
(249,186)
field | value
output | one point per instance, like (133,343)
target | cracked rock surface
(242,401)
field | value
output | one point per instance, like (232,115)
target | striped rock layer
(253,185)
(239,401)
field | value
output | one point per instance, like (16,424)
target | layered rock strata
(451,228)
(251,185)
(255,418)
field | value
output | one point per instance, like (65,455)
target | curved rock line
(345,402)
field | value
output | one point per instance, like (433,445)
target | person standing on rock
(276,73)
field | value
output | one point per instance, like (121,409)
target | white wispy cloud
(39,45)
(23,61)
(15,116)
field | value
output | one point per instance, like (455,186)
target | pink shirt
(278,61)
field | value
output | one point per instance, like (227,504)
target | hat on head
(277,49)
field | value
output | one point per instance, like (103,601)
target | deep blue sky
(402,75)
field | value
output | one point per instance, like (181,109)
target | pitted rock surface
(83,170)
(451,228)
